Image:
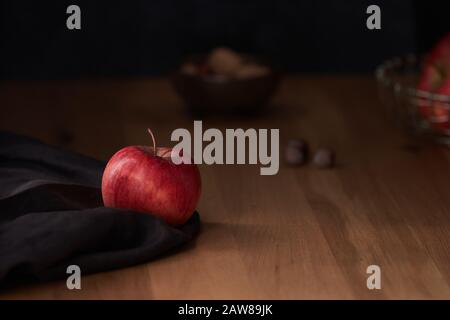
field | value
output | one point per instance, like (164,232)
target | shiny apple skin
(435,78)
(136,179)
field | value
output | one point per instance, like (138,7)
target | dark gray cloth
(52,216)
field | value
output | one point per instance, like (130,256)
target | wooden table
(304,233)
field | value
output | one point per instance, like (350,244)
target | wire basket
(421,113)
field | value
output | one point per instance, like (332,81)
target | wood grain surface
(305,233)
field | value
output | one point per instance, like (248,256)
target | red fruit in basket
(440,54)
(140,179)
(435,79)
(430,78)
(440,109)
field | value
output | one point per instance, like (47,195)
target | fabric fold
(52,216)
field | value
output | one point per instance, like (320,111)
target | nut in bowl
(225,82)
(417,91)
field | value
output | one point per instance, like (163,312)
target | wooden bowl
(215,94)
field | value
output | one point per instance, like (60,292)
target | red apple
(440,110)
(439,54)
(140,179)
(435,78)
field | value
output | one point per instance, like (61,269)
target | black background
(141,37)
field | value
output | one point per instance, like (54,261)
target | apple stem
(153,139)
